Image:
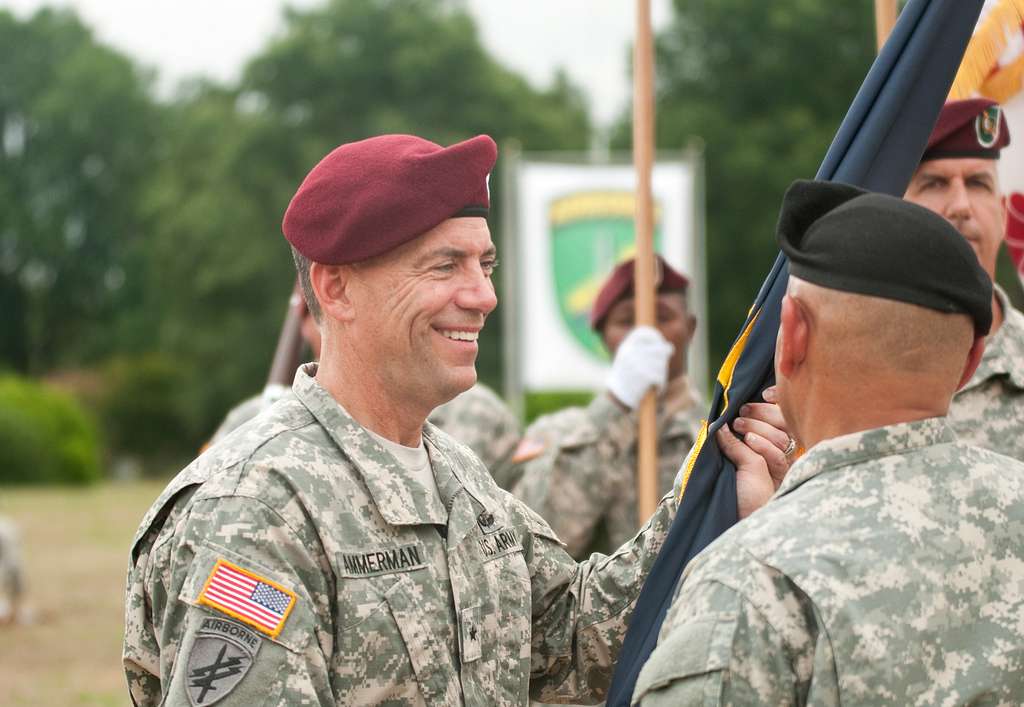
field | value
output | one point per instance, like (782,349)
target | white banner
(572,223)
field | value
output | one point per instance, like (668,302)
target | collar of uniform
(863,446)
(465,485)
(399,498)
(1004,350)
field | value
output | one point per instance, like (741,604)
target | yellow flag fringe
(1006,83)
(986,46)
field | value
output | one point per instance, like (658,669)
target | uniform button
(486,519)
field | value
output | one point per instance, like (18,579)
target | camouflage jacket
(887,569)
(297,563)
(483,422)
(583,479)
(989,411)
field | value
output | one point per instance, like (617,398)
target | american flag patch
(262,604)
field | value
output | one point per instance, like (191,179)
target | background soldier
(338,550)
(577,467)
(11,583)
(886,568)
(958,179)
(483,422)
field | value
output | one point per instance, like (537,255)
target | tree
(76,122)
(232,156)
(764,85)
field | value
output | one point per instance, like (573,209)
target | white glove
(640,363)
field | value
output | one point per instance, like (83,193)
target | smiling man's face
(965,191)
(420,309)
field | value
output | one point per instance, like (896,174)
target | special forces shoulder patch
(248,597)
(221,655)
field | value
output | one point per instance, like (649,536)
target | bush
(142,410)
(45,436)
(538,404)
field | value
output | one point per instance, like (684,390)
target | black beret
(844,238)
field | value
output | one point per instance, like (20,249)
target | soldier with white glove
(577,466)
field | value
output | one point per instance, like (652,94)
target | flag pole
(644,276)
(885,20)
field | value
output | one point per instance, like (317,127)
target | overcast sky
(589,38)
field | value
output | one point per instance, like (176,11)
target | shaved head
(849,355)
(885,336)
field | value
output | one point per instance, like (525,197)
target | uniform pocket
(395,643)
(698,657)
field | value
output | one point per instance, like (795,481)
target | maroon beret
(365,198)
(972,128)
(619,285)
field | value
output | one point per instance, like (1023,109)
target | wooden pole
(885,20)
(643,158)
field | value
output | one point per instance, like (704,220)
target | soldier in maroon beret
(340,549)
(959,180)
(577,466)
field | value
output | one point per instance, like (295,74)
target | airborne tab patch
(246,596)
(385,560)
(219,658)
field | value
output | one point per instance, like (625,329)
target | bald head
(885,337)
(843,357)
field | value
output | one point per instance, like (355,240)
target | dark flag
(878,147)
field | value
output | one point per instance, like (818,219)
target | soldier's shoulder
(253,460)
(479,404)
(566,427)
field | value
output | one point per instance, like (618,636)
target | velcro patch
(526,450)
(385,560)
(504,542)
(246,596)
(221,655)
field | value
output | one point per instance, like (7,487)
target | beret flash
(844,238)
(620,285)
(366,198)
(972,128)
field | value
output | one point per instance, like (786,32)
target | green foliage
(45,436)
(76,122)
(765,85)
(142,409)
(538,404)
(230,159)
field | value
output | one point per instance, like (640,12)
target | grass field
(75,546)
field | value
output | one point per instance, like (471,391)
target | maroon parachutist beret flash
(972,128)
(620,285)
(365,198)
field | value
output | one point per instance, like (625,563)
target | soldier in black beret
(887,543)
(959,180)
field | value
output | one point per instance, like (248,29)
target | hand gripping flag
(877,147)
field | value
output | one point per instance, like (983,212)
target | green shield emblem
(986,126)
(591,232)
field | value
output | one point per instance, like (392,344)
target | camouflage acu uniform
(388,596)
(483,422)
(478,418)
(584,481)
(989,411)
(886,570)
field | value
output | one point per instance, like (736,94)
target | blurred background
(147,154)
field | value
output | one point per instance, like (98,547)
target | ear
(333,286)
(794,336)
(973,360)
